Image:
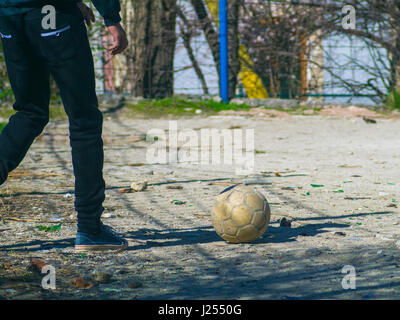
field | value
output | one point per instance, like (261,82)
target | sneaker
(107,239)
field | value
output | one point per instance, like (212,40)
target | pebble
(36,157)
(101,277)
(340,233)
(285,223)
(139,186)
(175,187)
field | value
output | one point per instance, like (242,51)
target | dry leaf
(37,265)
(81,283)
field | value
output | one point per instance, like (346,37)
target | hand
(120,39)
(87,13)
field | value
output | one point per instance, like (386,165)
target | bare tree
(188,31)
(154,46)
(275,35)
(378,27)
(212,36)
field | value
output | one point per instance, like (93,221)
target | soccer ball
(240,214)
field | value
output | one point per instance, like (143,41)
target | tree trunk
(154,47)
(210,33)
(233,44)
(212,37)
(187,32)
(186,37)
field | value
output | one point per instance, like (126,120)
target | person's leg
(69,58)
(29,78)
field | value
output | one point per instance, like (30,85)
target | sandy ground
(174,253)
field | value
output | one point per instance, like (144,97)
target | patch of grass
(2,125)
(6,113)
(23,277)
(299,109)
(393,99)
(56,113)
(180,107)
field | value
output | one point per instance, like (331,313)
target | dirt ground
(337,178)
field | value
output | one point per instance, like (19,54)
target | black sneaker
(107,239)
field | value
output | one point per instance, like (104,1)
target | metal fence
(342,60)
(333,68)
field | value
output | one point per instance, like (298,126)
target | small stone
(101,277)
(340,233)
(368,120)
(175,187)
(139,186)
(285,223)
(36,157)
(122,271)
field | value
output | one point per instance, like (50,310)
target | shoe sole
(86,248)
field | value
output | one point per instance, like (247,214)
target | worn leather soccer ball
(240,214)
